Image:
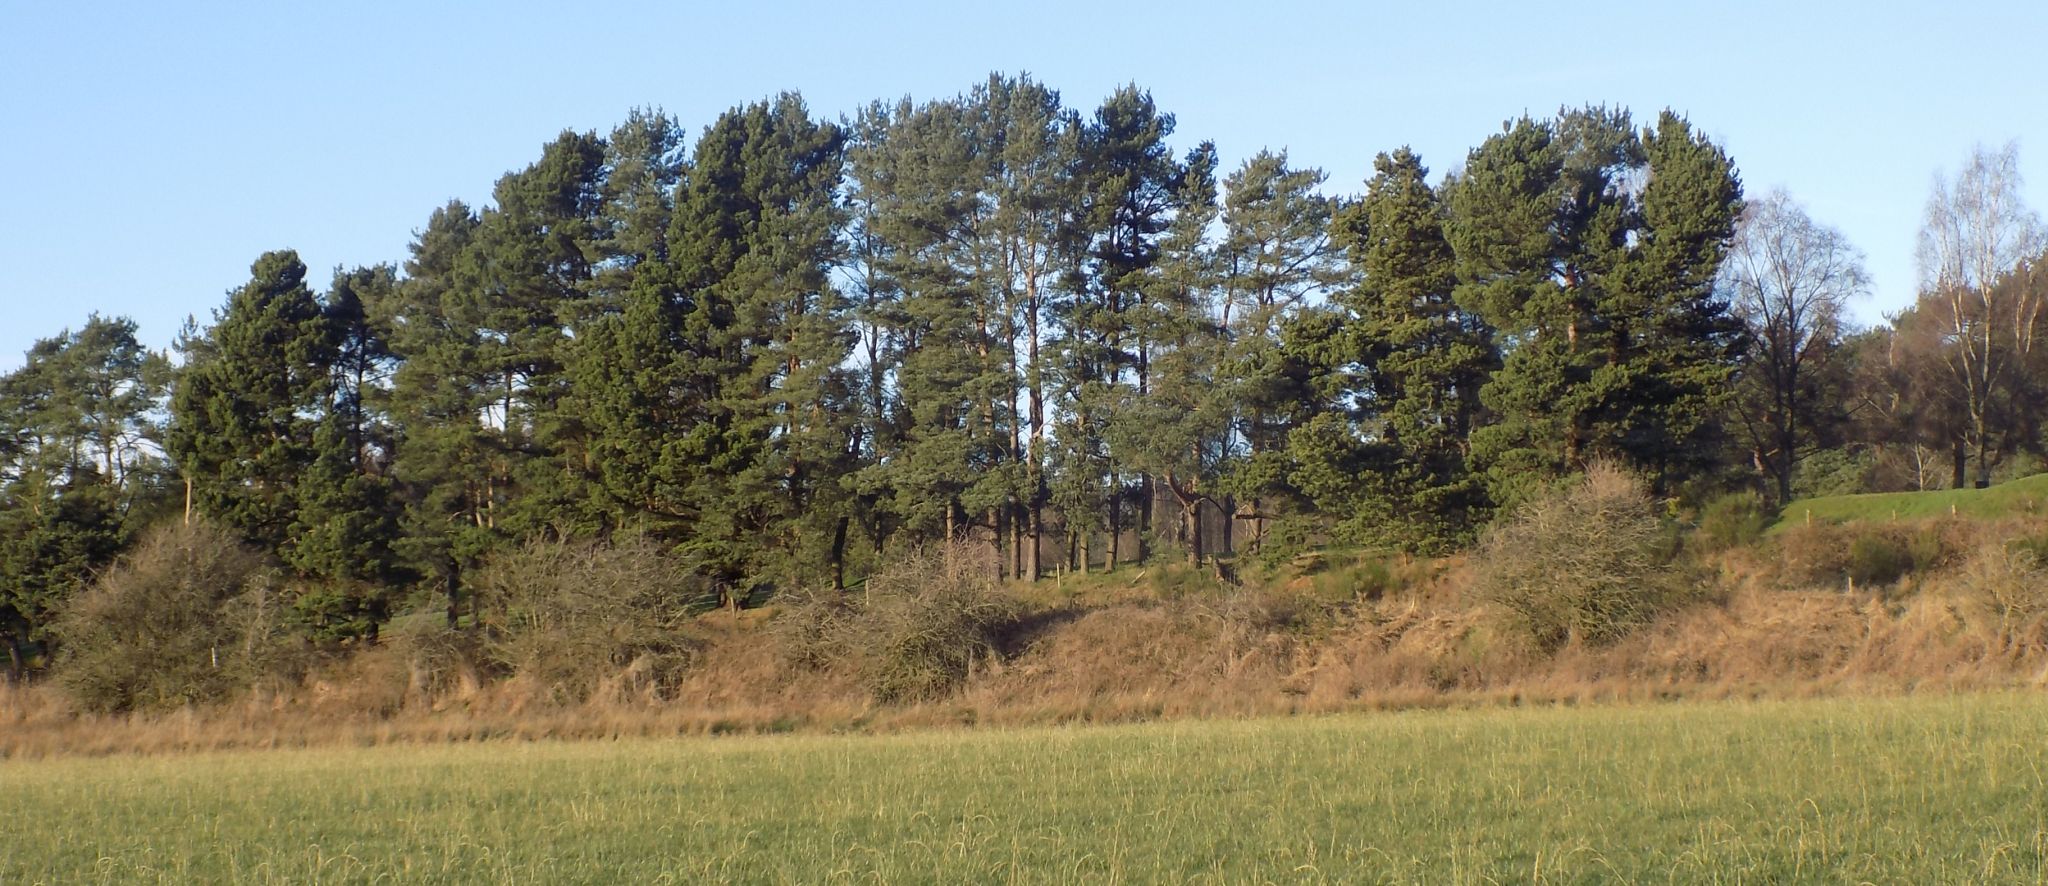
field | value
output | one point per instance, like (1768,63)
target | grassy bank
(2025,497)
(1913,790)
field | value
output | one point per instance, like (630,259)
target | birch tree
(1974,249)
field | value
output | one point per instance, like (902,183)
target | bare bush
(570,616)
(914,631)
(188,616)
(1590,562)
(2007,585)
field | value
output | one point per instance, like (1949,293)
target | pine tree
(1036,225)
(76,470)
(539,250)
(1591,248)
(717,396)
(446,462)
(346,524)
(1129,176)
(942,450)
(755,239)
(1277,255)
(247,402)
(1395,471)
(1176,430)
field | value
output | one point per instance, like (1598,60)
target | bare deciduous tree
(1974,251)
(1788,278)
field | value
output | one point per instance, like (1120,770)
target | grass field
(1908,790)
(2027,496)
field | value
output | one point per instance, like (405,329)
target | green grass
(1912,790)
(2022,497)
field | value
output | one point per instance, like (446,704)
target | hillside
(2024,497)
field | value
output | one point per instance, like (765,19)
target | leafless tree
(1974,275)
(1789,278)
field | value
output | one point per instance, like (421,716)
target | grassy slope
(1915,790)
(2025,496)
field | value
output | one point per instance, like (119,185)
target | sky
(149,152)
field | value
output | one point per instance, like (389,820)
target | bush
(1868,554)
(913,632)
(2008,586)
(572,615)
(1735,520)
(188,616)
(1832,472)
(1877,560)
(1589,562)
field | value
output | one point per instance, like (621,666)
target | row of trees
(799,344)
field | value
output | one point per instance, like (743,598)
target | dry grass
(1120,654)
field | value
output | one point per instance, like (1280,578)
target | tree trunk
(839,555)
(1983,455)
(1144,517)
(998,538)
(1960,458)
(1229,525)
(17,664)
(1020,520)
(1116,534)
(1033,567)
(451,578)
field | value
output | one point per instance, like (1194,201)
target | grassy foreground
(1904,790)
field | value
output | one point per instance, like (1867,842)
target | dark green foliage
(717,397)
(1591,248)
(245,413)
(1409,363)
(77,469)
(446,466)
(278,426)
(346,525)
(50,545)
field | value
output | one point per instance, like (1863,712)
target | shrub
(187,616)
(1877,560)
(1832,472)
(1869,554)
(571,615)
(914,631)
(1734,520)
(1367,577)
(2008,586)
(1589,562)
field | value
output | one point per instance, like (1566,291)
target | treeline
(797,346)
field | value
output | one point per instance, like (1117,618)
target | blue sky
(152,151)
